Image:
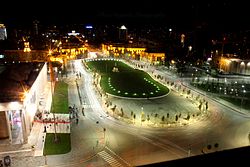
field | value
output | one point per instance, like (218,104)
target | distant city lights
(89,27)
(74,33)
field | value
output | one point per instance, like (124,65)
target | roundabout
(134,97)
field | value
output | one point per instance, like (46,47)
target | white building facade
(16,117)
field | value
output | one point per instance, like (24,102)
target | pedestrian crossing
(87,106)
(108,158)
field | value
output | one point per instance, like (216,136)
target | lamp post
(189,151)
(242,97)
(45,158)
(141,114)
(189,50)
(104,130)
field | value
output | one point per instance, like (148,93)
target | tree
(113,109)
(199,107)
(163,118)
(176,118)
(122,113)
(148,118)
(183,90)
(156,115)
(206,105)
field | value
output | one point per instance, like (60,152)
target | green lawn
(60,99)
(238,102)
(128,82)
(62,146)
(214,88)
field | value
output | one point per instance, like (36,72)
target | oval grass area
(119,79)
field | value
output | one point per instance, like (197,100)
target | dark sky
(182,12)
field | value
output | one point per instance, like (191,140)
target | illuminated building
(234,65)
(74,33)
(132,51)
(153,57)
(3,33)
(21,91)
(26,47)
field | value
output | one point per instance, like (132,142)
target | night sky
(183,13)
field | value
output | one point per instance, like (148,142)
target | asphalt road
(132,144)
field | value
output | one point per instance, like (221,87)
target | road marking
(108,158)
(117,156)
(87,106)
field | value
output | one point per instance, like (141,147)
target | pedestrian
(76,120)
(83,112)
(76,114)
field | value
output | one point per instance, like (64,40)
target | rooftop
(15,78)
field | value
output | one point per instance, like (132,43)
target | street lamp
(45,157)
(190,48)
(142,114)
(242,97)
(104,130)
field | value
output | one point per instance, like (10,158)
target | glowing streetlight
(244,91)
(50,52)
(190,48)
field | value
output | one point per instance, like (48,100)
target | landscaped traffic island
(119,79)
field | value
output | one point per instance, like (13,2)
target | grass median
(117,78)
(59,106)
(60,99)
(61,146)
